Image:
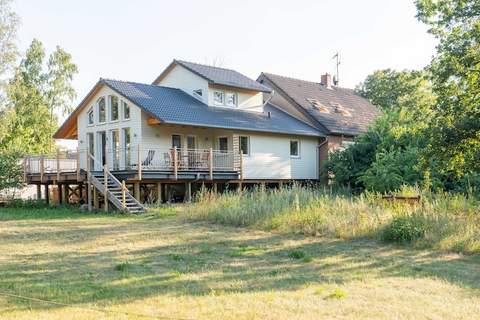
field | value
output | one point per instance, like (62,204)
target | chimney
(326,80)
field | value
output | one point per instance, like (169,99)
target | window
(294,148)
(90,115)
(113,108)
(198,92)
(176,141)
(101,110)
(115,149)
(126,146)
(126,110)
(244,145)
(231,99)
(191,142)
(223,144)
(218,98)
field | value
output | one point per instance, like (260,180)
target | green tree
(11,172)
(8,33)
(35,97)
(455,72)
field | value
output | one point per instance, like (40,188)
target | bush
(27,204)
(404,229)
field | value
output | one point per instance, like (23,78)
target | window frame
(181,140)
(235,97)
(110,104)
(298,148)
(91,111)
(104,110)
(123,103)
(223,98)
(218,140)
(199,95)
(240,145)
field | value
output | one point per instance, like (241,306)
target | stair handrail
(105,169)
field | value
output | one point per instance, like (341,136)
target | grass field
(162,267)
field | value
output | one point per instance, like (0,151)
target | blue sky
(135,40)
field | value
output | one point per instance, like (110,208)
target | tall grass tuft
(444,221)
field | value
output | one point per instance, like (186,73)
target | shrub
(404,229)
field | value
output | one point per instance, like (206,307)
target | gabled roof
(173,106)
(339,110)
(218,76)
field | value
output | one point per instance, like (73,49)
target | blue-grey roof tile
(174,106)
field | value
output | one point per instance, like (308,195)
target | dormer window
(219,98)
(198,92)
(231,99)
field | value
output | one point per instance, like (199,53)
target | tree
(8,32)
(455,72)
(390,153)
(35,96)
(11,173)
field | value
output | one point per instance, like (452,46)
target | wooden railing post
(42,167)
(175,163)
(139,162)
(241,164)
(105,182)
(58,165)
(210,164)
(124,204)
(78,164)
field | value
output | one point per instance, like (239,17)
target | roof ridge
(204,65)
(303,80)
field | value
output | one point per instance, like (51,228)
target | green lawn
(160,266)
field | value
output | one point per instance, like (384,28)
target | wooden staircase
(115,191)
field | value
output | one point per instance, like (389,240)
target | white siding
(246,100)
(183,79)
(270,158)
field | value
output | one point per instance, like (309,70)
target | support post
(159,193)
(105,183)
(136,190)
(78,165)
(95,198)
(215,188)
(66,193)
(240,186)
(89,195)
(139,162)
(175,163)
(39,191)
(124,201)
(42,167)
(188,191)
(80,192)
(263,186)
(280,184)
(59,192)
(58,165)
(210,164)
(47,194)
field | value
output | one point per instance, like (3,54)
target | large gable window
(101,110)
(218,98)
(126,110)
(231,99)
(90,115)
(113,108)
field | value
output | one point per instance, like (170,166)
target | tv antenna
(336,79)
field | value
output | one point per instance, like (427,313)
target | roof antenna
(336,79)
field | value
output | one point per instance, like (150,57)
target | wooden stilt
(39,191)
(95,199)
(59,193)
(159,193)
(66,193)
(136,190)
(47,194)
(188,192)
(89,196)
(240,187)
(215,188)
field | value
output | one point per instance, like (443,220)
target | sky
(136,40)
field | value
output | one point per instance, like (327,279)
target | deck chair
(148,160)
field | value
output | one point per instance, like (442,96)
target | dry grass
(449,222)
(158,265)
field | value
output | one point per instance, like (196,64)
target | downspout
(319,147)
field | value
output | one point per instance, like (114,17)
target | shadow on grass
(199,259)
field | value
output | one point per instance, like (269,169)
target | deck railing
(139,159)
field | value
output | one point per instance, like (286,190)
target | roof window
(318,105)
